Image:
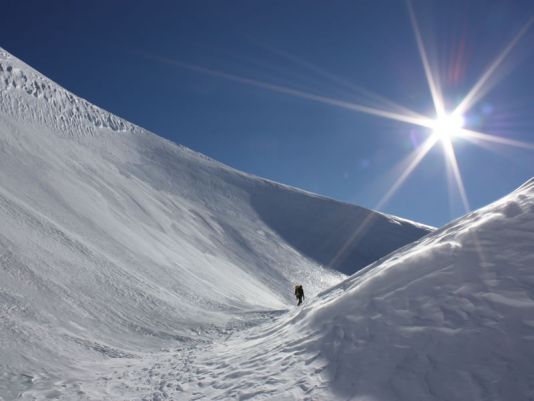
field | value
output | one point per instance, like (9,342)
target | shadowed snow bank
(340,236)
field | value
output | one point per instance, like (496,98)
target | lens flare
(448,126)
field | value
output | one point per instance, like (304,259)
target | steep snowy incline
(115,241)
(448,318)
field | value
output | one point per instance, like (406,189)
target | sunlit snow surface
(448,318)
(133,268)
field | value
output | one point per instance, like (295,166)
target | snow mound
(450,317)
(115,241)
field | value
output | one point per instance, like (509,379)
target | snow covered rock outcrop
(113,240)
(450,317)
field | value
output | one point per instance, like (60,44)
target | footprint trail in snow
(214,367)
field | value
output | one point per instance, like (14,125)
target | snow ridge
(53,106)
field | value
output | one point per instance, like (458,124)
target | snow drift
(450,317)
(115,241)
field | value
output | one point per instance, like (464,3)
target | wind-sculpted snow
(448,318)
(115,243)
(48,104)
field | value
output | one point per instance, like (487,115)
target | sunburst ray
(391,115)
(433,83)
(452,164)
(477,137)
(413,161)
(482,86)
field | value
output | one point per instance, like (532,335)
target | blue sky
(148,61)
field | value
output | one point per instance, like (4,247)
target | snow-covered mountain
(115,242)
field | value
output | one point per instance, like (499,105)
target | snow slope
(115,242)
(448,318)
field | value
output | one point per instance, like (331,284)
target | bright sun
(448,126)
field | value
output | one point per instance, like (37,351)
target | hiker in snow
(299,293)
